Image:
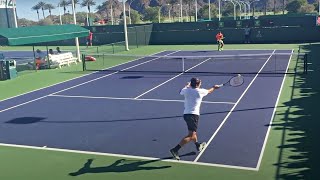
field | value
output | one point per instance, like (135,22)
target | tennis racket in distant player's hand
(234,81)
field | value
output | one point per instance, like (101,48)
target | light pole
(209,10)
(181,11)
(249,6)
(125,25)
(75,23)
(219,5)
(60,14)
(130,11)
(159,13)
(239,8)
(245,8)
(234,8)
(169,5)
(196,9)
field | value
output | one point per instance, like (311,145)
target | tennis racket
(234,81)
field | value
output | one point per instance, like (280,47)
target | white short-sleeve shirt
(192,99)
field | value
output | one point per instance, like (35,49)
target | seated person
(40,59)
(51,51)
(58,50)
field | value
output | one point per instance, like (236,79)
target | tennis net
(277,63)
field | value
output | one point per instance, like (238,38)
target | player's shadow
(123,165)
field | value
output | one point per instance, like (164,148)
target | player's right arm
(213,88)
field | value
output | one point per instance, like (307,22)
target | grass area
(291,151)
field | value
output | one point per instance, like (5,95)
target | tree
(45,22)
(88,4)
(295,5)
(308,8)
(135,17)
(151,14)
(189,3)
(64,4)
(204,11)
(49,7)
(228,10)
(36,8)
(75,3)
(110,8)
(42,4)
(22,22)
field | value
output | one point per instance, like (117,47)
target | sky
(24,8)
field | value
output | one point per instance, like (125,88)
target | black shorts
(192,121)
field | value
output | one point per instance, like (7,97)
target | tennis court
(134,109)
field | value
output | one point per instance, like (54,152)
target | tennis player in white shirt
(193,95)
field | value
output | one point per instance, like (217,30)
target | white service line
(227,116)
(45,148)
(79,84)
(132,99)
(171,78)
(274,111)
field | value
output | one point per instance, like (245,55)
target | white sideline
(227,116)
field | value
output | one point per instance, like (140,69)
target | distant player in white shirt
(193,95)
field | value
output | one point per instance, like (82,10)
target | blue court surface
(139,114)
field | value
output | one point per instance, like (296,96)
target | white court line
(171,78)
(133,99)
(80,84)
(225,119)
(77,77)
(274,111)
(126,156)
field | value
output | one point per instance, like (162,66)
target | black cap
(194,82)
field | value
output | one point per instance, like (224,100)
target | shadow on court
(298,122)
(25,120)
(121,165)
(124,165)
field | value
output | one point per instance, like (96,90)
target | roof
(38,34)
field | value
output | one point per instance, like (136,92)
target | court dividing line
(78,77)
(274,111)
(133,99)
(125,156)
(172,78)
(12,107)
(227,116)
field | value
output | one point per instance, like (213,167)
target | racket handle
(220,85)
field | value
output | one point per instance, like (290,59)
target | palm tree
(49,7)
(36,8)
(75,3)
(42,4)
(88,3)
(64,4)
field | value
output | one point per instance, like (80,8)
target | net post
(112,48)
(84,68)
(97,49)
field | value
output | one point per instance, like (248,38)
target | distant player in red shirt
(89,39)
(219,38)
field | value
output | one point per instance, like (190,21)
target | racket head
(236,81)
